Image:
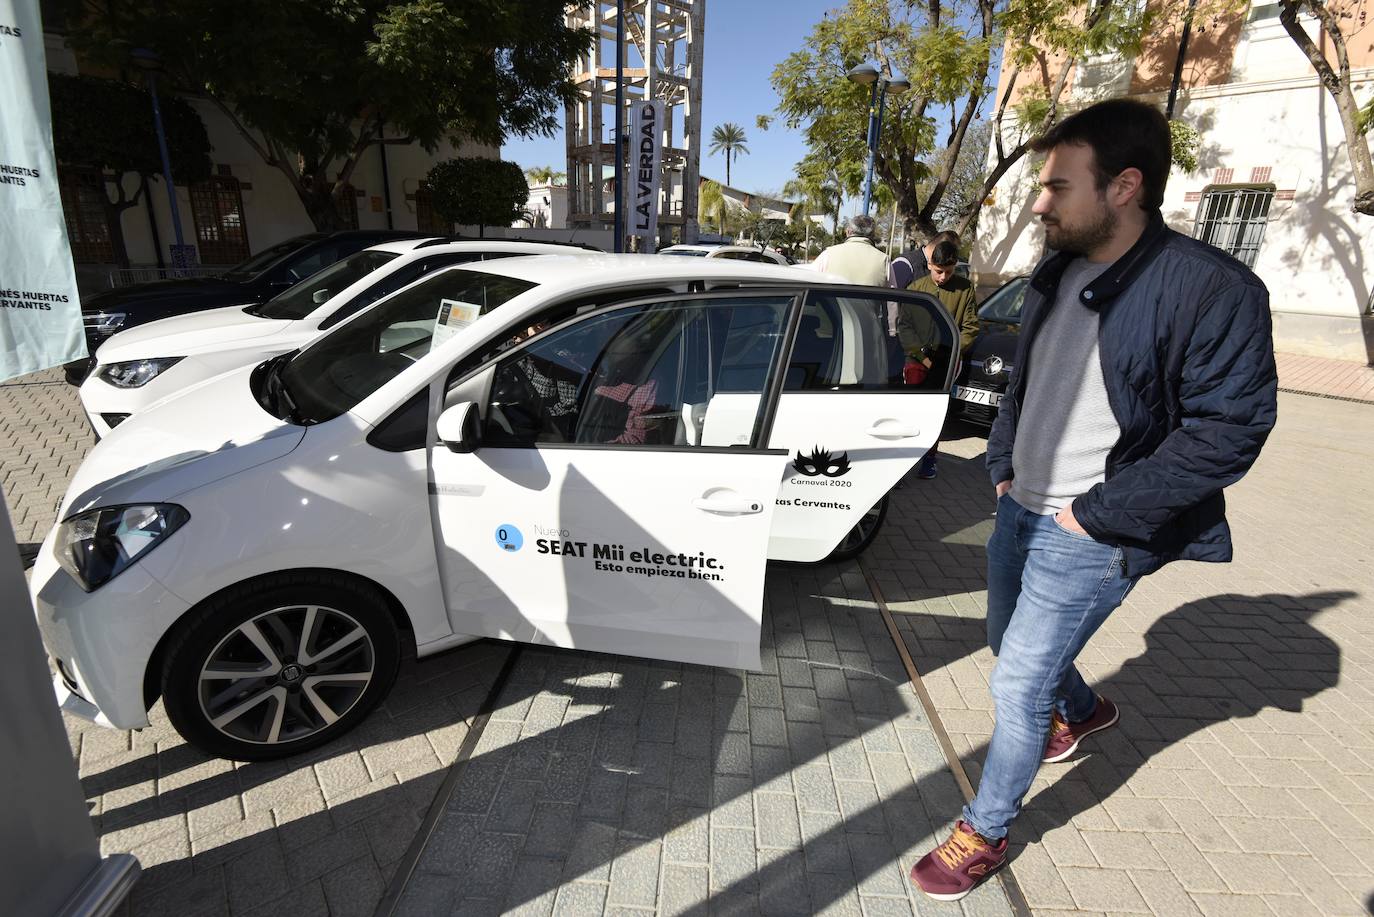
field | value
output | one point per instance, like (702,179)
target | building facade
(1273,186)
(244,207)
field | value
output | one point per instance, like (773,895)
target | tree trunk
(1338,85)
(727,168)
(321,207)
(114,217)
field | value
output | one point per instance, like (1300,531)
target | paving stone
(594,848)
(685,890)
(732,858)
(690,838)
(777,821)
(581,899)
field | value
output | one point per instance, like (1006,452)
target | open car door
(855,414)
(621,494)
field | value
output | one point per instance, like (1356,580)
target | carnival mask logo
(821,462)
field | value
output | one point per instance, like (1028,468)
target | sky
(745,39)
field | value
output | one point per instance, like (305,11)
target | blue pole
(875,127)
(619,125)
(166,159)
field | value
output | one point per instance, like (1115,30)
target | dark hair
(1122,134)
(945,235)
(944,254)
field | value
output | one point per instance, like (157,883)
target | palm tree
(544,175)
(729,139)
(711,202)
(819,195)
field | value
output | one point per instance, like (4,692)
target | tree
(545,175)
(106,126)
(477,192)
(729,139)
(312,86)
(712,205)
(822,187)
(1336,23)
(946,50)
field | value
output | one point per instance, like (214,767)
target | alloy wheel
(862,530)
(286,674)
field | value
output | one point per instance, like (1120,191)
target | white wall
(1317,257)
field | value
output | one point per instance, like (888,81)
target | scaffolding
(663,60)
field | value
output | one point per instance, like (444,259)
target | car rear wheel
(278,667)
(857,540)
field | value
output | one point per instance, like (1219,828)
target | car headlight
(96,546)
(137,373)
(106,323)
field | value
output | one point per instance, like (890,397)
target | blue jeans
(1049,590)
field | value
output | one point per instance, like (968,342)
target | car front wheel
(280,666)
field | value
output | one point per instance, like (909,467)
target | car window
(843,344)
(676,373)
(1005,304)
(314,260)
(305,297)
(267,257)
(687,252)
(403,276)
(342,368)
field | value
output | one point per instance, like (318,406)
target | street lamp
(870,73)
(148,61)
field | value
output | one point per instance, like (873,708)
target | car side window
(315,260)
(402,276)
(843,344)
(681,373)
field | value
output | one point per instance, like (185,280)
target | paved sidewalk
(1241,779)
(606,785)
(1332,378)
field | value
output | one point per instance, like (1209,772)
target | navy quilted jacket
(1188,358)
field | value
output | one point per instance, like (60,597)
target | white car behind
(138,367)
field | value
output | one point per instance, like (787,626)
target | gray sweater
(1067,426)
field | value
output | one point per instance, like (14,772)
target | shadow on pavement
(798,786)
(1225,658)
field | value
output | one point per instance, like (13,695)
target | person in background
(910,266)
(856,259)
(956,295)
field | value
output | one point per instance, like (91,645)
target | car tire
(279,666)
(857,540)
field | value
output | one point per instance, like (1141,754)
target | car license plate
(977,395)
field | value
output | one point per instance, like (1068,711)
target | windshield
(684,251)
(345,366)
(306,296)
(266,258)
(1005,304)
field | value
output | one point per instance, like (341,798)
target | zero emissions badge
(509,538)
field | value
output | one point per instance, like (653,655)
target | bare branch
(242,128)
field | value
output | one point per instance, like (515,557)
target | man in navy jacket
(1144,385)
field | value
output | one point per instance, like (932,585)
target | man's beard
(1082,240)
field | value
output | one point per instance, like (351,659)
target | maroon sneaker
(1065,736)
(956,867)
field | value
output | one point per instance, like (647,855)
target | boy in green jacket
(956,295)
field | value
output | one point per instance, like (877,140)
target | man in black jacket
(1144,384)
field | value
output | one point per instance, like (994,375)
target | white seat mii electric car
(607,461)
(138,367)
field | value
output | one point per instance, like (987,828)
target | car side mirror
(320,296)
(460,427)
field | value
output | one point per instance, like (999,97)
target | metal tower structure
(664,41)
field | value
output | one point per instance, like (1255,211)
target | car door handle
(724,505)
(893,429)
